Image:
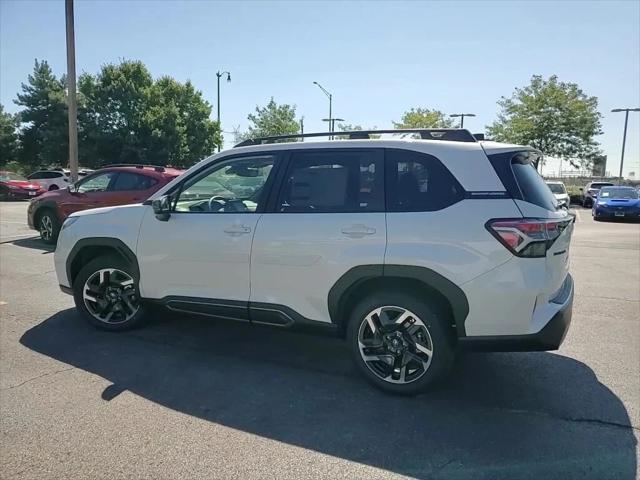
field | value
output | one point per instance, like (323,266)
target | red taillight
(527,237)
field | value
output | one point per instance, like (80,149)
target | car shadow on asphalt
(527,415)
(34,243)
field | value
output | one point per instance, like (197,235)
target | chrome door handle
(237,230)
(358,231)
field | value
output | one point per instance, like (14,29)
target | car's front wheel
(48,226)
(400,343)
(106,293)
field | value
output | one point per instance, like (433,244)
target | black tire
(48,236)
(91,268)
(439,329)
(53,187)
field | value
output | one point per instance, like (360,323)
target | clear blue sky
(378,59)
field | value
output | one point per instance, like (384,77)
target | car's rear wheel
(53,187)
(48,226)
(106,293)
(401,344)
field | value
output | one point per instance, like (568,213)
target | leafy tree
(555,117)
(8,138)
(116,101)
(44,134)
(181,132)
(273,119)
(424,118)
(130,118)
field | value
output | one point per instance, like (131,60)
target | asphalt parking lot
(194,398)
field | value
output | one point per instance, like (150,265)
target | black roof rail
(450,134)
(157,168)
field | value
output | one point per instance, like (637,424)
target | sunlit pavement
(194,398)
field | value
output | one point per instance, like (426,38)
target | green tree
(273,119)
(130,118)
(44,135)
(113,119)
(555,117)
(8,138)
(181,132)
(424,118)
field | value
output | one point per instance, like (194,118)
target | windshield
(557,187)
(597,186)
(7,176)
(619,193)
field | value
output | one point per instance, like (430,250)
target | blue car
(616,202)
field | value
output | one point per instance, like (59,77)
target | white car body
(51,179)
(562,197)
(287,268)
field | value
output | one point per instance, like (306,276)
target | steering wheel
(216,198)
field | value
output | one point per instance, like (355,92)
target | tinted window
(96,183)
(133,181)
(235,186)
(334,181)
(36,176)
(600,185)
(419,183)
(534,189)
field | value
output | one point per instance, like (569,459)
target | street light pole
(624,135)
(218,74)
(72,106)
(330,102)
(462,115)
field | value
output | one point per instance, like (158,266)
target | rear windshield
(617,192)
(600,185)
(533,187)
(557,188)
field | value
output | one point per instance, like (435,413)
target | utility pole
(462,115)
(218,74)
(302,128)
(624,135)
(72,106)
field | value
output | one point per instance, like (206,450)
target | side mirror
(72,189)
(162,208)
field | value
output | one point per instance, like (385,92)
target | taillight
(527,237)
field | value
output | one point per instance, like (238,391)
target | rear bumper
(549,338)
(22,194)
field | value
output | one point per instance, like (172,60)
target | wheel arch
(87,249)
(361,280)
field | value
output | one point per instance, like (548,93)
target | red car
(115,185)
(16,187)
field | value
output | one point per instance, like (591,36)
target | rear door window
(128,181)
(417,182)
(333,181)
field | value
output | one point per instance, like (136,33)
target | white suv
(411,249)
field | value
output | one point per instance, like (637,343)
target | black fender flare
(430,278)
(109,242)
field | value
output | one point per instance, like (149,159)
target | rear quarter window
(521,179)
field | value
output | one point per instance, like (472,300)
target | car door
(198,260)
(328,218)
(93,191)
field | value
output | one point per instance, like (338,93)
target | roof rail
(450,134)
(157,168)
